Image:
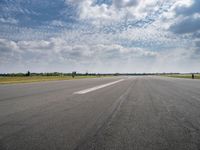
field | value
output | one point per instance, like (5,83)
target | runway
(115,113)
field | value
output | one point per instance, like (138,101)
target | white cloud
(125,3)
(8,46)
(117,11)
(34,45)
(90,56)
(125,36)
(58,23)
(9,20)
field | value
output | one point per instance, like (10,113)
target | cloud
(9,20)
(58,51)
(9,52)
(92,56)
(117,10)
(198,44)
(187,18)
(125,3)
(100,36)
(88,10)
(59,45)
(186,25)
(188,8)
(58,23)
(7,46)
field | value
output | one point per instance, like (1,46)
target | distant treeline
(51,74)
(81,74)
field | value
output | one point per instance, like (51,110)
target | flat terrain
(24,79)
(129,113)
(187,76)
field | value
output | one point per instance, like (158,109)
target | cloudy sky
(100,35)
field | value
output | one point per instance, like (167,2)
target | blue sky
(100,35)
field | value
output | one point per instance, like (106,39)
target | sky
(101,36)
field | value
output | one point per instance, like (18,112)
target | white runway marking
(97,87)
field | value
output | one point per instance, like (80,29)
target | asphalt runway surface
(116,113)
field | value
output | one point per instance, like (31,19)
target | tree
(28,73)
(86,73)
(73,74)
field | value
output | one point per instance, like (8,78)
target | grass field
(24,79)
(187,76)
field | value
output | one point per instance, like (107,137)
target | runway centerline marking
(97,87)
